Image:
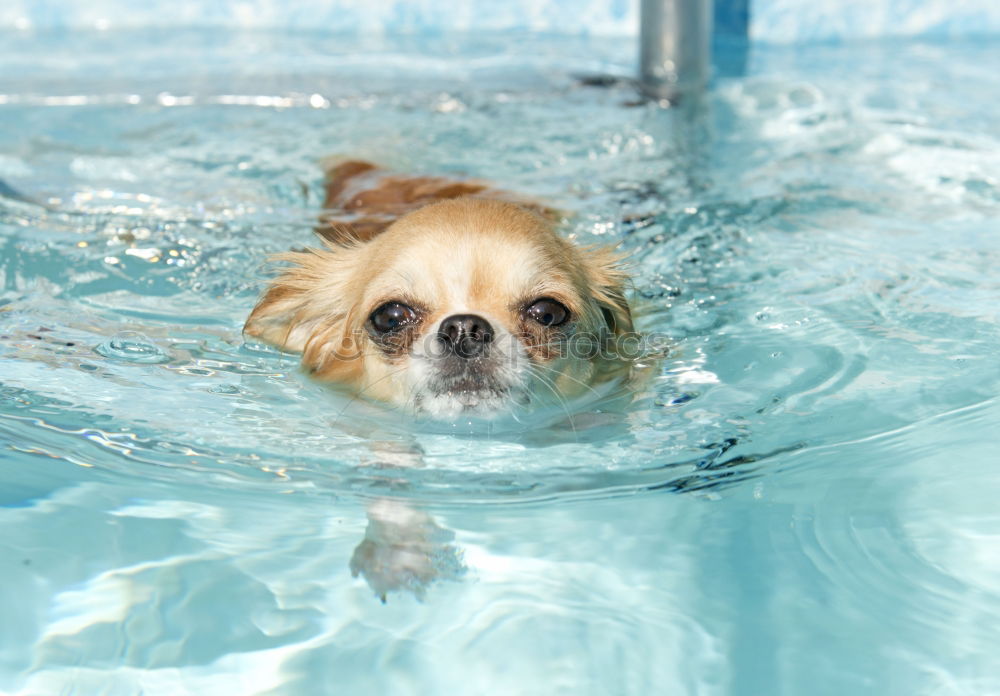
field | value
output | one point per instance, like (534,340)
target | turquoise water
(803,500)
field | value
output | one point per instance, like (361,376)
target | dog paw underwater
(449,299)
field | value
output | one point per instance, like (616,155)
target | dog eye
(392,316)
(548,312)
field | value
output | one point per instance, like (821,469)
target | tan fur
(362,199)
(468,254)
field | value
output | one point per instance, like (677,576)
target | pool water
(801,500)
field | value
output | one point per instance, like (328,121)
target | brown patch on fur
(362,199)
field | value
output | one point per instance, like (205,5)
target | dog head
(466,306)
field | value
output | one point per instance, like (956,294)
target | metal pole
(675,38)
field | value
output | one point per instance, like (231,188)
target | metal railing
(675,39)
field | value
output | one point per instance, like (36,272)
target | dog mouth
(471,392)
(466,392)
(463,385)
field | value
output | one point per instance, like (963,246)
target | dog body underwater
(449,298)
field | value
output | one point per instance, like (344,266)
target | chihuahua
(449,298)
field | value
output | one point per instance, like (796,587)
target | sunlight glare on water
(801,499)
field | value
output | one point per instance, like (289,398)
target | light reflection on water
(800,500)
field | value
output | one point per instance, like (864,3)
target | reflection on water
(799,500)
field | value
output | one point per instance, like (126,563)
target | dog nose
(465,335)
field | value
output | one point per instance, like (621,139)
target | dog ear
(306,306)
(607,281)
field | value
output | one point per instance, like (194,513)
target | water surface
(801,499)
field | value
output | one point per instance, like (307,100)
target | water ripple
(132,346)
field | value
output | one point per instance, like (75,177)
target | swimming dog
(447,297)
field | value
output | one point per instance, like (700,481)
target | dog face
(466,306)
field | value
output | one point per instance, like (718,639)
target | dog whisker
(360,393)
(570,377)
(559,398)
